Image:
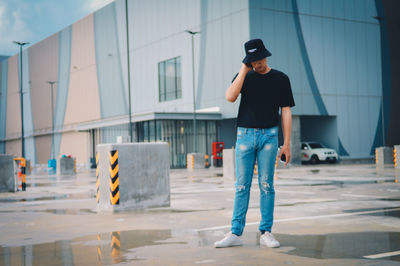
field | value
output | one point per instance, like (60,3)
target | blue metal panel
(113,101)
(386,81)
(3,103)
(203,46)
(64,64)
(309,71)
(30,147)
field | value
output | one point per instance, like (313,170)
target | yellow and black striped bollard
(206,162)
(395,157)
(23,174)
(97,178)
(114,178)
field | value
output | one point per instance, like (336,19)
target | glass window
(169,79)
(316,145)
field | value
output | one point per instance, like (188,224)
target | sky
(34,20)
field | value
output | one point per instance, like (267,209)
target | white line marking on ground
(361,196)
(383,255)
(293,191)
(302,218)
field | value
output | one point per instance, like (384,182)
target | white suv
(315,152)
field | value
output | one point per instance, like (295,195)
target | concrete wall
(143,175)
(384,156)
(66,166)
(7,178)
(195,161)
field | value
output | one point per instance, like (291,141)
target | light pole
(52,119)
(192,33)
(129,72)
(21,44)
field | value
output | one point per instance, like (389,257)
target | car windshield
(315,145)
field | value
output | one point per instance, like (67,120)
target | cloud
(93,5)
(12,28)
(32,21)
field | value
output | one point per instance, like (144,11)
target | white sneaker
(268,239)
(230,240)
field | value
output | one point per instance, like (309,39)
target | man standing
(264,90)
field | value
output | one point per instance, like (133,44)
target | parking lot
(324,214)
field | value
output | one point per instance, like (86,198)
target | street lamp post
(129,72)
(52,119)
(192,33)
(21,44)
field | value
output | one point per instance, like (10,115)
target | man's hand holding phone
(284,154)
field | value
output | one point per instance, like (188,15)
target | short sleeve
(286,97)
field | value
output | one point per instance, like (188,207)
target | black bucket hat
(255,50)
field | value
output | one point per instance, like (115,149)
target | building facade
(331,50)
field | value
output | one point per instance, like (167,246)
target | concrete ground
(324,215)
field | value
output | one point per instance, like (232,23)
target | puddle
(353,245)
(342,245)
(101,249)
(181,210)
(385,211)
(340,184)
(41,184)
(390,199)
(56,211)
(65,196)
(33,199)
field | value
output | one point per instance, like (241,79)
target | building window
(169,79)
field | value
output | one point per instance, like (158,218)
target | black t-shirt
(262,95)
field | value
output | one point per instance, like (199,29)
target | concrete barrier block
(384,156)
(132,176)
(66,166)
(8,182)
(195,161)
(229,164)
(396,156)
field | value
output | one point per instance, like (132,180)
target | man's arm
(286,128)
(233,91)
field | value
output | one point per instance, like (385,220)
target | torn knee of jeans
(268,147)
(240,188)
(266,187)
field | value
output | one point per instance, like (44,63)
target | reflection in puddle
(342,245)
(58,197)
(386,211)
(330,246)
(56,211)
(106,248)
(33,199)
(315,171)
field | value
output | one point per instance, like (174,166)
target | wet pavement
(324,215)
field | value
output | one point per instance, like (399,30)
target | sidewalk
(324,214)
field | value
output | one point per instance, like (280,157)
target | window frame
(163,91)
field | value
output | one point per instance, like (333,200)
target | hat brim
(256,56)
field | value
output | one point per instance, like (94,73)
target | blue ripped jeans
(252,144)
